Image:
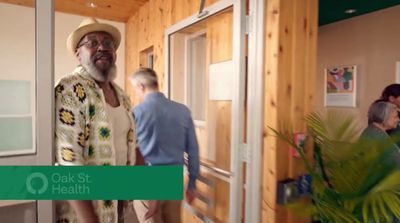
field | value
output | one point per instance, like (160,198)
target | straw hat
(91,25)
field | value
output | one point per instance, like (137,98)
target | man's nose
(102,47)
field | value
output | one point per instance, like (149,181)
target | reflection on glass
(17,79)
(197,54)
(17,94)
(15,134)
(193,50)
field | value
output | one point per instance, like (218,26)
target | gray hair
(147,77)
(379,111)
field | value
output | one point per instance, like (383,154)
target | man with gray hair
(165,132)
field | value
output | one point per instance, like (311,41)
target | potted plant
(350,179)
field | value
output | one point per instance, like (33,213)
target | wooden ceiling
(116,10)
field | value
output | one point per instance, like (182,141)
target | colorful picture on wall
(340,86)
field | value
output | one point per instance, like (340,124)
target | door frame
(237,119)
(45,95)
(255,109)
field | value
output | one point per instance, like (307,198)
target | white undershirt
(120,127)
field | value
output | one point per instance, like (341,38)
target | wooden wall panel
(145,39)
(298,77)
(269,208)
(161,14)
(181,9)
(289,76)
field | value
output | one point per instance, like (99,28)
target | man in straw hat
(88,105)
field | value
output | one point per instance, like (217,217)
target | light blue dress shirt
(165,131)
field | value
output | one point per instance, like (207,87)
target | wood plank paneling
(289,79)
(116,10)
(28,3)
(269,207)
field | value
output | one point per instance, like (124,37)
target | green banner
(91,182)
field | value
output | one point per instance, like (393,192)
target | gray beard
(96,74)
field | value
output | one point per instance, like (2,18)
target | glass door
(26,95)
(206,72)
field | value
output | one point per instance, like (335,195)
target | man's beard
(99,75)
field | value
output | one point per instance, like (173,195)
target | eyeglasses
(94,43)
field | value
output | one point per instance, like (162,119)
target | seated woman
(382,116)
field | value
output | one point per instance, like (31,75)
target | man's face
(97,49)
(392,120)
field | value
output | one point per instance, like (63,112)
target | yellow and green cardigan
(83,134)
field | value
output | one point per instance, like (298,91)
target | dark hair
(390,90)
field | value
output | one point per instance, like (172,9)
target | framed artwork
(340,86)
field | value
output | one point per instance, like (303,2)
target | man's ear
(77,55)
(391,98)
(142,87)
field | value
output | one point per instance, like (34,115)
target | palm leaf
(353,180)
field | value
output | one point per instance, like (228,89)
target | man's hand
(154,205)
(190,195)
(139,158)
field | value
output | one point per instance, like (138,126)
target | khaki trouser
(169,212)
(126,212)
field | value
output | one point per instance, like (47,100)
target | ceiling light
(91,5)
(350,11)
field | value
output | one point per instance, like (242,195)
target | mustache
(101,54)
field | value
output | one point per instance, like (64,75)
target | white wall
(372,42)
(18,44)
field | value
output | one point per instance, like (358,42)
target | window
(146,58)
(196,74)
